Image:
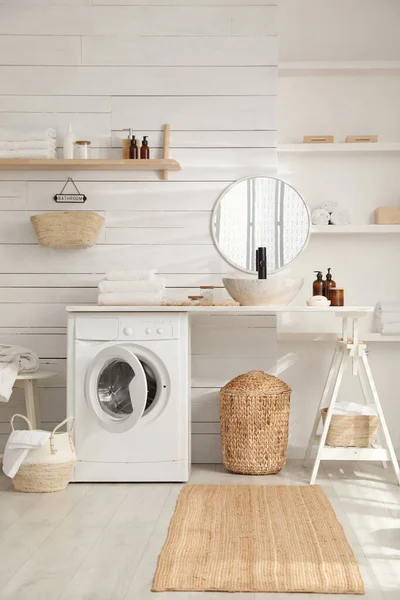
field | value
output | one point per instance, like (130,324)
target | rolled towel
(340,218)
(131,275)
(26,135)
(387,307)
(28,153)
(155,285)
(329,206)
(390,329)
(320,217)
(131,299)
(32,145)
(353,409)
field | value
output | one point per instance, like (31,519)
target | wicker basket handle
(52,447)
(22,417)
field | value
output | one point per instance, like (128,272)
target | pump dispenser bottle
(328,284)
(145,150)
(318,285)
(133,149)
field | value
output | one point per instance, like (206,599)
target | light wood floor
(101,541)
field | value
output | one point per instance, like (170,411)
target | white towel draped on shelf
(26,135)
(14,360)
(34,153)
(49,144)
(18,446)
(387,317)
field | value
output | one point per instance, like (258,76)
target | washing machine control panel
(148,329)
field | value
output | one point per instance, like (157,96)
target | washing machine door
(116,388)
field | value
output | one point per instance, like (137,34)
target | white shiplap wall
(209,69)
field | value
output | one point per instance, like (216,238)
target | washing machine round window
(124,384)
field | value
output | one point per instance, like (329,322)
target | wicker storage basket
(50,467)
(254,423)
(351,430)
(75,229)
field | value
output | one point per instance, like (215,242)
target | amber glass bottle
(328,284)
(318,285)
(133,149)
(145,150)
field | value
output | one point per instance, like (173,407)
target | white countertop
(257,310)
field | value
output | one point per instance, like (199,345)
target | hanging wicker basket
(348,431)
(72,229)
(50,467)
(254,423)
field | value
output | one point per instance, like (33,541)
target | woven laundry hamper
(254,412)
(347,431)
(50,467)
(68,230)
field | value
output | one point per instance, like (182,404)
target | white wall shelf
(341,147)
(354,229)
(338,67)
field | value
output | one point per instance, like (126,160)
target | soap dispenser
(328,284)
(318,285)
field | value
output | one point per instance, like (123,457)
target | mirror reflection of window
(261,211)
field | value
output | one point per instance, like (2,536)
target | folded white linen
(353,409)
(26,135)
(388,317)
(14,360)
(131,299)
(18,446)
(131,275)
(388,307)
(339,218)
(50,143)
(390,329)
(320,217)
(155,285)
(39,153)
(329,206)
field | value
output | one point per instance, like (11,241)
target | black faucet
(261,262)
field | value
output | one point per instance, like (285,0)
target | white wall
(341,104)
(209,69)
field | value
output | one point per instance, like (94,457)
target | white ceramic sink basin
(263,292)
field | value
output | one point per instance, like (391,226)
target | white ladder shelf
(350,349)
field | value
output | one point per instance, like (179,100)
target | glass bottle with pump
(328,284)
(318,284)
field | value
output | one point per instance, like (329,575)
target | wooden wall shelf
(164,164)
(91,164)
(354,229)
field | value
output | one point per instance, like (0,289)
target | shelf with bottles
(164,164)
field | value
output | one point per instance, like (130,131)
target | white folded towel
(353,409)
(339,218)
(18,446)
(155,285)
(388,307)
(38,153)
(329,206)
(131,275)
(26,135)
(131,299)
(390,329)
(388,317)
(14,360)
(50,143)
(320,217)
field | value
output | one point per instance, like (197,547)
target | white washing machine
(128,387)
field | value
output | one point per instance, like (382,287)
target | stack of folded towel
(388,318)
(329,213)
(34,143)
(131,288)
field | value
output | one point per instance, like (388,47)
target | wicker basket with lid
(254,410)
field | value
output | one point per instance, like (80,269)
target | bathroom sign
(75,198)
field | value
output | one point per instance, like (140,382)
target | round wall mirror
(260,211)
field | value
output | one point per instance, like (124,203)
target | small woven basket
(52,464)
(254,412)
(347,431)
(75,229)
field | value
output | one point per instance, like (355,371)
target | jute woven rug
(250,538)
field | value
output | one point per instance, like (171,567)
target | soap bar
(361,139)
(389,215)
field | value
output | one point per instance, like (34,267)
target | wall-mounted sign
(76,197)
